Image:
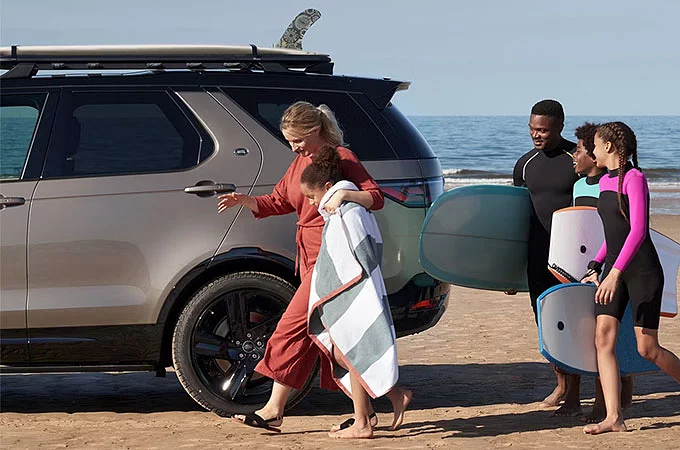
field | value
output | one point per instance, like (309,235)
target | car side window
(19,115)
(361,135)
(117,133)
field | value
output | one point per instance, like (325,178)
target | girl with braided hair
(632,268)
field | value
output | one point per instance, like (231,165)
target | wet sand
(477,379)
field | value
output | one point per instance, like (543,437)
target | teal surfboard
(566,332)
(476,236)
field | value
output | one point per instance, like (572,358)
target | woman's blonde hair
(303,118)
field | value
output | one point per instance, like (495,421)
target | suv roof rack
(26,61)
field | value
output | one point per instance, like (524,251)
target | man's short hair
(550,108)
(586,132)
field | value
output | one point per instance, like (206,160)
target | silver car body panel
(107,250)
(13,226)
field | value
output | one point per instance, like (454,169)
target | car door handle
(209,188)
(6,202)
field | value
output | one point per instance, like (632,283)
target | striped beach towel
(348,307)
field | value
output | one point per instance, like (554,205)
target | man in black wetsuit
(548,172)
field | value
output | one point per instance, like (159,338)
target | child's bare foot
(597,414)
(554,398)
(568,410)
(605,426)
(400,399)
(372,419)
(355,431)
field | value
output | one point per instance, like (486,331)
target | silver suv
(113,254)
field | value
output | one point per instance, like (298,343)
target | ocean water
(484,149)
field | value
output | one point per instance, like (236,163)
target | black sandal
(256,421)
(349,422)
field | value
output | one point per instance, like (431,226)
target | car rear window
(361,134)
(403,136)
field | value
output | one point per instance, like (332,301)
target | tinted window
(404,136)
(106,133)
(18,119)
(361,134)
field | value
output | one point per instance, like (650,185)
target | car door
(25,120)
(113,228)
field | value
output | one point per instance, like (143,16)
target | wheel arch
(236,260)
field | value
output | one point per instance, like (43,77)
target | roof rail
(25,61)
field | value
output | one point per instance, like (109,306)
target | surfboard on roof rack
(25,61)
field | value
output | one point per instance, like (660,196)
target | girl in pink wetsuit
(633,270)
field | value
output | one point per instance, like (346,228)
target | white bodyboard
(576,237)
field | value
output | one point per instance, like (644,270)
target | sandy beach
(477,379)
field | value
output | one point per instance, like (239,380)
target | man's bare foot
(400,399)
(372,419)
(554,398)
(356,431)
(568,410)
(605,426)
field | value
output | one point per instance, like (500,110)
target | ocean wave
(464,173)
(664,185)
(659,177)
(661,173)
(660,185)
(450,181)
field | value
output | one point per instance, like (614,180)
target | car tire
(220,337)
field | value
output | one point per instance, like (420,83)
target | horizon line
(524,115)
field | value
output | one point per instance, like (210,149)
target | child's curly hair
(586,133)
(324,168)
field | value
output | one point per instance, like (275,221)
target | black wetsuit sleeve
(517,173)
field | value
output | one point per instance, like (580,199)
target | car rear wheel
(221,336)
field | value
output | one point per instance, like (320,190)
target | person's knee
(605,338)
(649,350)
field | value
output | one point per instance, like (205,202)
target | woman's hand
(606,289)
(235,198)
(335,201)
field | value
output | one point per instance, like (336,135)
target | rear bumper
(415,307)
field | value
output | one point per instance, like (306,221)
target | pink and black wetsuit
(629,248)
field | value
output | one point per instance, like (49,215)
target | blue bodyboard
(566,332)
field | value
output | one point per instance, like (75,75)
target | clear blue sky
(598,57)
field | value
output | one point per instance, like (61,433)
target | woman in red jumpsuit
(290,354)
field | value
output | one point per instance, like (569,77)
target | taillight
(413,193)
(430,303)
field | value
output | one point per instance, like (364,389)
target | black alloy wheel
(221,336)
